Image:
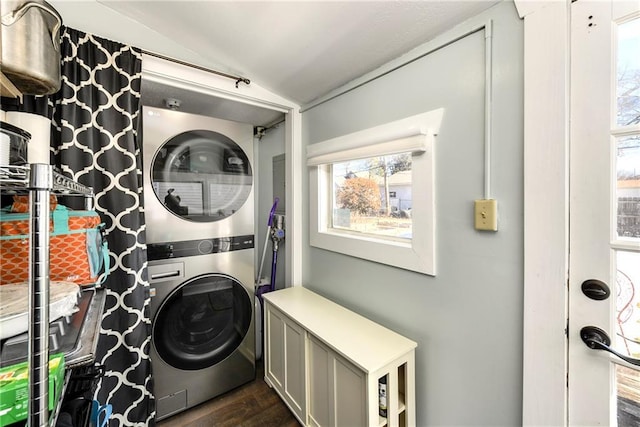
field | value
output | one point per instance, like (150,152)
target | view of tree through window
(373,196)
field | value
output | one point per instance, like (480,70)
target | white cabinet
(325,362)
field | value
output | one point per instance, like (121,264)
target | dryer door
(201,176)
(202,322)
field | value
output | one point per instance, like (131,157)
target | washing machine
(199,211)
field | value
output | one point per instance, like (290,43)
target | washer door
(202,322)
(201,176)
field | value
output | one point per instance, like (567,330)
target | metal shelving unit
(39,181)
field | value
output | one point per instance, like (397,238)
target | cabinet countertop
(365,343)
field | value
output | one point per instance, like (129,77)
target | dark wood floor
(251,405)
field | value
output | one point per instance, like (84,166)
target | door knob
(597,339)
(595,289)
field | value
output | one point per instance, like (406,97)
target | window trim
(415,134)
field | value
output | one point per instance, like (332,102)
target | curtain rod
(238,79)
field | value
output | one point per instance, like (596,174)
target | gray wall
(467,320)
(270,145)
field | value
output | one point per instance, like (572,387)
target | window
(372,193)
(362,200)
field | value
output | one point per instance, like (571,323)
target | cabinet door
(274,348)
(295,378)
(349,386)
(320,396)
(285,360)
(337,389)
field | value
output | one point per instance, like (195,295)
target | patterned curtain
(95,141)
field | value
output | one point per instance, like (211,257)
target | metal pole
(40,185)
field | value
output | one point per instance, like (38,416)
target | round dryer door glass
(201,176)
(202,322)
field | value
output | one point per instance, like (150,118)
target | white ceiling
(299,50)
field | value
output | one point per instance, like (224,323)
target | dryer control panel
(185,248)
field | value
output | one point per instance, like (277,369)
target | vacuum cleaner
(275,232)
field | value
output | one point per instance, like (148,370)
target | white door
(604,214)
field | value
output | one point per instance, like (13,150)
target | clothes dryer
(198,178)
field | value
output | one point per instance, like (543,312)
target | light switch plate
(486,214)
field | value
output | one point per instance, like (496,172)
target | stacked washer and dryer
(199,209)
